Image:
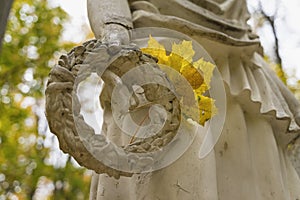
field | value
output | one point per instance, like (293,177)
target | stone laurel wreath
(63,109)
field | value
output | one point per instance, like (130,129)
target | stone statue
(249,160)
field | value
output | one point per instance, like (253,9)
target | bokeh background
(38,32)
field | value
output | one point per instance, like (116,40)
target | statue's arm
(110,20)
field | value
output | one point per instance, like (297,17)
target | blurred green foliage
(30,48)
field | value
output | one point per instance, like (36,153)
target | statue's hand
(113,63)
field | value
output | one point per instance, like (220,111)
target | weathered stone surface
(63,107)
(250,159)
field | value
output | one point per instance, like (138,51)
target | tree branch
(271,21)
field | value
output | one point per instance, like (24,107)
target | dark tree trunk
(4,12)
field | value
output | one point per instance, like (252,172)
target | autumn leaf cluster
(197,73)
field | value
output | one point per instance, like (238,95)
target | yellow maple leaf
(207,108)
(184,50)
(181,55)
(156,50)
(175,61)
(198,73)
(207,68)
(192,75)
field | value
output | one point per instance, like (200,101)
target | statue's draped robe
(249,161)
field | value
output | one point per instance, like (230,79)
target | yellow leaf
(156,50)
(181,55)
(207,108)
(198,74)
(200,90)
(184,50)
(192,75)
(207,68)
(175,61)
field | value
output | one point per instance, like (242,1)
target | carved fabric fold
(240,63)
